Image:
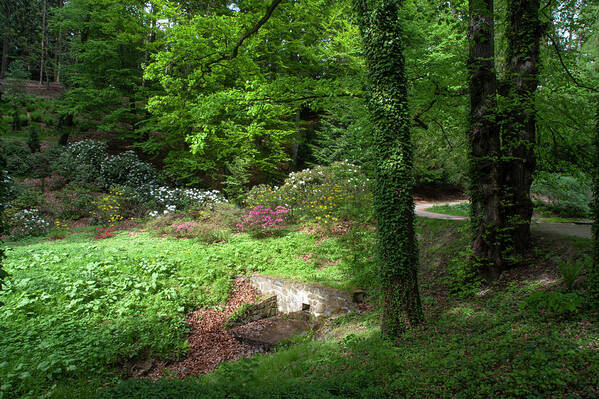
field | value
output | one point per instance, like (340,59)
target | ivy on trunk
(392,149)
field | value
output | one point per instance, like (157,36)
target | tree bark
(43,42)
(484,137)
(65,123)
(393,194)
(524,31)
(5,34)
(593,281)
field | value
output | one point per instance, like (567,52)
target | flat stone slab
(268,333)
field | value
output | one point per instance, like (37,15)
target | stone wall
(293,296)
(249,313)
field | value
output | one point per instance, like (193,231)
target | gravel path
(562,229)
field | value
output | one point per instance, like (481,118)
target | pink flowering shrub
(263,221)
(184,229)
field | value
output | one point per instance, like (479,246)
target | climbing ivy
(392,149)
(594,275)
(3,195)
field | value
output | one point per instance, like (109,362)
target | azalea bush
(107,210)
(264,221)
(324,194)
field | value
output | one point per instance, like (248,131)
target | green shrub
(132,203)
(463,275)
(28,198)
(36,116)
(567,196)
(571,270)
(23,119)
(554,304)
(324,194)
(33,139)
(74,203)
(16,154)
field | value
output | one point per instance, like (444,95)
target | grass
(87,306)
(462,209)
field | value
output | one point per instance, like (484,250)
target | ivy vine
(392,149)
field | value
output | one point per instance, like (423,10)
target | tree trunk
(65,123)
(393,193)
(524,32)
(593,281)
(43,42)
(485,174)
(5,34)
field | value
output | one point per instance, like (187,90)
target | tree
(240,85)
(484,137)
(502,134)
(393,193)
(594,275)
(518,126)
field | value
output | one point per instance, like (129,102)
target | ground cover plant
(90,306)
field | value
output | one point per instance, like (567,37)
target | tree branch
(561,61)
(246,35)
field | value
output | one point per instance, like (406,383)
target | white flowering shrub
(87,162)
(25,223)
(323,194)
(127,169)
(170,200)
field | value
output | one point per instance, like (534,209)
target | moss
(237,316)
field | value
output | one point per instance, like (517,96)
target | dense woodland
(154,152)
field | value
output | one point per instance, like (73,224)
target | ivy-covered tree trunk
(485,178)
(392,148)
(593,282)
(524,31)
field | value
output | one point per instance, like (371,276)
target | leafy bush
(28,198)
(133,204)
(36,116)
(173,199)
(107,210)
(33,140)
(324,194)
(127,169)
(554,304)
(207,226)
(16,155)
(263,221)
(25,223)
(571,270)
(567,196)
(74,203)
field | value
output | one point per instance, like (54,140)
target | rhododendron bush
(264,221)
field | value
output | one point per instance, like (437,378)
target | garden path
(563,229)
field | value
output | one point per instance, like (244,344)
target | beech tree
(502,134)
(484,134)
(392,149)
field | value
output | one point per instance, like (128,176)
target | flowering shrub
(60,231)
(104,232)
(87,162)
(323,194)
(169,200)
(108,210)
(263,221)
(25,223)
(183,229)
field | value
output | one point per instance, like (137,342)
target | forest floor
(102,313)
